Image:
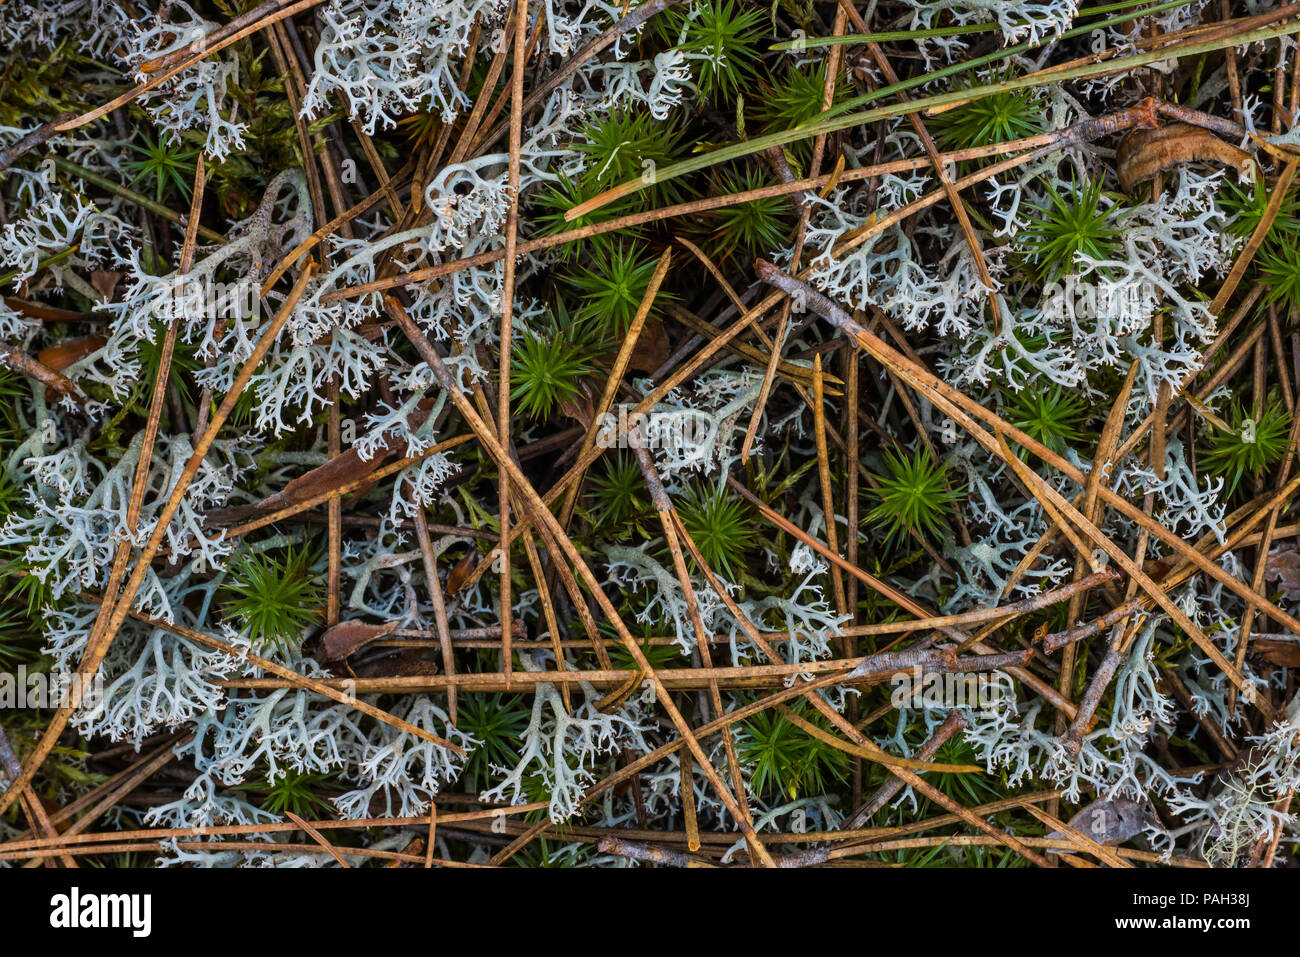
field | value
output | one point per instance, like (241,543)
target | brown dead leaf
(460,572)
(1158,568)
(58,357)
(652,347)
(105,282)
(343,469)
(1280,650)
(581,407)
(343,639)
(1144,153)
(39,310)
(63,354)
(1112,821)
(1283,566)
(397,663)
(415,847)
(52,809)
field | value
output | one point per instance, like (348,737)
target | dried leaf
(1281,650)
(51,361)
(370,331)
(42,311)
(1145,152)
(415,847)
(343,639)
(63,354)
(343,469)
(398,663)
(1283,566)
(105,282)
(52,808)
(1112,821)
(1158,568)
(460,572)
(580,408)
(652,348)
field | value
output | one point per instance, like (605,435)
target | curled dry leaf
(581,407)
(343,639)
(460,572)
(1144,153)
